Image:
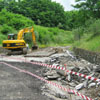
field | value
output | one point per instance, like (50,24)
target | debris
(55,76)
(69,78)
(85,83)
(62,56)
(49,73)
(92,85)
(58,95)
(80,86)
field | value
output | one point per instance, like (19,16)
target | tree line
(52,14)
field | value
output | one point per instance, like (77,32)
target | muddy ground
(15,85)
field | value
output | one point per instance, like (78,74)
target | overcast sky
(66,4)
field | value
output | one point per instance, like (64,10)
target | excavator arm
(24,31)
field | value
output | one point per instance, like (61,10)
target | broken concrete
(68,60)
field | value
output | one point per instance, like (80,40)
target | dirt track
(15,85)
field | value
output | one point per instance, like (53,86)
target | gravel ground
(15,85)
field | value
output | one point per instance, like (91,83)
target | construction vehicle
(19,46)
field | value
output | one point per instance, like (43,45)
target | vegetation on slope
(88,37)
(12,23)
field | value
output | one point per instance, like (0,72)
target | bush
(5,29)
(2,37)
(95,28)
(78,33)
(15,21)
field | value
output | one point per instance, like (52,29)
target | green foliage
(92,44)
(2,37)
(52,36)
(95,28)
(42,12)
(71,19)
(90,38)
(90,6)
(15,21)
(78,33)
(5,29)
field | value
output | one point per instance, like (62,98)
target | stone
(59,79)
(72,84)
(54,77)
(49,73)
(80,86)
(69,78)
(99,94)
(91,85)
(96,68)
(85,83)
(96,99)
(98,84)
(64,97)
(58,95)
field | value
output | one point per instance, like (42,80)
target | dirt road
(15,85)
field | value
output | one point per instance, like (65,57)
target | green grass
(92,44)
(52,36)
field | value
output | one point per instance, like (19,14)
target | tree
(92,7)
(43,12)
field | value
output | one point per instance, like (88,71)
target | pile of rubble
(70,62)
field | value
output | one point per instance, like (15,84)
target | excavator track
(18,52)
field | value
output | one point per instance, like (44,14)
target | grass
(92,44)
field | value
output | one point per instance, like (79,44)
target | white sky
(66,4)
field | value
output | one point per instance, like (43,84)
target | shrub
(78,33)
(5,29)
(95,28)
(16,21)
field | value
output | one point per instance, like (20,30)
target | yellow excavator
(19,46)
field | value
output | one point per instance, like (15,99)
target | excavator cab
(11,36)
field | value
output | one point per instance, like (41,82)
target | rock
(76,69)
(59,79)
(60,72)
(91,85)
(99,94)
(45,78)
(55,76)
(49,73)
(70,54)
(64,97)
(64,82)
(58,95)
(92,74)
(69,78)
(80,86)
(85,83)
(96,99)
(52,60)
(89,70)
(71,68)
(72,84)
(98,84)
(96,68)
(55,64)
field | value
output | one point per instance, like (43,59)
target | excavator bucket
(34,47)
